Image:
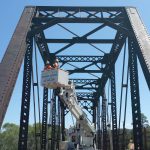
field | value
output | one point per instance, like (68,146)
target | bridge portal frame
(35,20)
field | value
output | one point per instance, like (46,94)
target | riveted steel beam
(85,95)
(13,59)
(44,119)
(74,20)
(26,92)
(115,51)
(84,81)
(78,8)
(135,97)
(84,71)
(42,46)
(71,58)
(114,110)
(142,40)
(104,121)
(80,40)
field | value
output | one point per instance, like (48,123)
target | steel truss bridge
(91,71)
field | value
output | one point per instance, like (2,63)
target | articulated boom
(57,78)
(68,96)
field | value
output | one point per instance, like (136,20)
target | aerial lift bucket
(54,78)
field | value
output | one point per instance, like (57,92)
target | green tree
(9,137)
(144,120)
(10,133)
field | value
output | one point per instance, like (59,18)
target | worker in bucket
(47,66)
(56,64)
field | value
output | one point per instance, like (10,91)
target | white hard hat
(47,62)
(57,60)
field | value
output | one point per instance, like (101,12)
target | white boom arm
(68,96)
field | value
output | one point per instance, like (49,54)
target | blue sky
(11,10)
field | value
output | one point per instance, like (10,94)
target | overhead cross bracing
(90,68)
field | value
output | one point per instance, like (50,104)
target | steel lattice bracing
(114,110)
(53,137)
(98,126)
(62,121)
(58,122)
(134,83)
(44,118)
(104,122)
(89,71)
(26,92)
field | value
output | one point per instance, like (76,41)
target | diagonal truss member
(12,60)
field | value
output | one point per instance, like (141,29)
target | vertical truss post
(53,133)
(24,118)
(58,123)
(145,139)
(94,112)
(62,121)
(114,110)
(98,126)
(104,125)
(44,119)
(135,97)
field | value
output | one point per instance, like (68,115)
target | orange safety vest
(47,67)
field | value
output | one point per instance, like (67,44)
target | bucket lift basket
(54,78)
